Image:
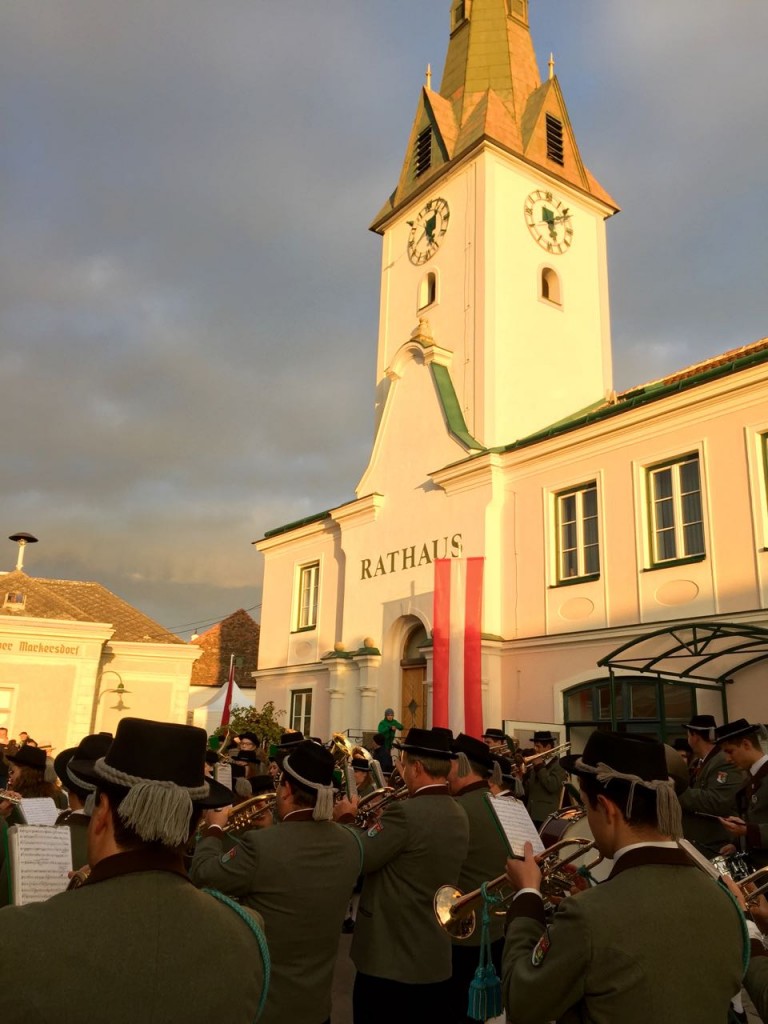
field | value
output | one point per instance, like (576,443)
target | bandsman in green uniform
(133,943)
(78,815)
(714,784)
(402,955)
(299,876)
(362,770)
(740,742)
(468,781)
(657,941)
(545,779)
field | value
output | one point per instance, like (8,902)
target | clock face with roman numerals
(549,220)
(427,231)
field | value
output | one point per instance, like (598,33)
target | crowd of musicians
(194,900)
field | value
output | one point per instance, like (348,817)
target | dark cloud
(189,294)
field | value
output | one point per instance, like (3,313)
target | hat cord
(324,804)
(668,811)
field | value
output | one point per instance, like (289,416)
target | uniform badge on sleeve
(722,777)
(540,950)
(228,855)
(375,829)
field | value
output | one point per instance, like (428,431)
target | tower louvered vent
(555,140)
(423,151)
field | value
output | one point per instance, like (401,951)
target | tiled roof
(81,602)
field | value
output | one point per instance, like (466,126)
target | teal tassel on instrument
(485,989)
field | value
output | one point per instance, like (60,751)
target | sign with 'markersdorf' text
(411,557)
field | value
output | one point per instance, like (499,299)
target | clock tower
(494,251)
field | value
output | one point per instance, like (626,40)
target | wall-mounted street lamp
(120,690)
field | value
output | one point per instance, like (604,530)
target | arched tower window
(550,286)
(427,290)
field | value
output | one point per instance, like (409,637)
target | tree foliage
(261,722)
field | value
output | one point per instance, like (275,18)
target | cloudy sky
(189,294)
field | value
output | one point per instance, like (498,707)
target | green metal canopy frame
(703,654)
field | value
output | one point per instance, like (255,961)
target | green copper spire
(491,94)
(490,48)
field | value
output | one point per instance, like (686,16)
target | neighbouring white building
(603,518)
(74,657)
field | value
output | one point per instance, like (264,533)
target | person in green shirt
(387,727)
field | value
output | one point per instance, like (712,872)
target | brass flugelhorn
(456,912)
(243,816)
(371,805)
(546,753)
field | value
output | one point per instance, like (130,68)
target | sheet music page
(515,822)
(40,859)
(39,810)
(223,774)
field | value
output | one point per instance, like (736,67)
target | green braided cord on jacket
(745,946)
(260,939)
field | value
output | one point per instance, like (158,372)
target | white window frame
(578,493)
(674,466)
(303,697)
(306,614)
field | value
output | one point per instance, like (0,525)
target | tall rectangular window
(578,554)
(309,579)
(677,527)
(301,710)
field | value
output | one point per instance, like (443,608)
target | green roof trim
(316,518)
(638,397)
(451,408)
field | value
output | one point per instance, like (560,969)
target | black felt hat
(440,730)
(731,731)
(288,739)
(309,762)
(28,757)
(704,725)
(629,755)
(543,736)
(245,757)
(474,749)
(249,736)
(261,784)
(211,757)
(428,742)
(158,752)
(89,750)
(494,734)
(359,764)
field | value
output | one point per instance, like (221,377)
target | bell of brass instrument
(456,912)
(554,752)
(244,816)
(370,806)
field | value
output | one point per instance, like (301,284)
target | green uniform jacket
(713,792)
(486,856)
(658,941)
(299,875)
(133,944)
(544,787)
(419,845)
(752,803)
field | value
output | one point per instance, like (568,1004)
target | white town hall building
(602,517)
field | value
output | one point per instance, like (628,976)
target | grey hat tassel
(464,768)
(158,812)
(496,777)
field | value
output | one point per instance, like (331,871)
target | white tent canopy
(207,706)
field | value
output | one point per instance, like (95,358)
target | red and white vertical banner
(228,698)
(457,701)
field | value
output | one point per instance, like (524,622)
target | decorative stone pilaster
(368,663)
